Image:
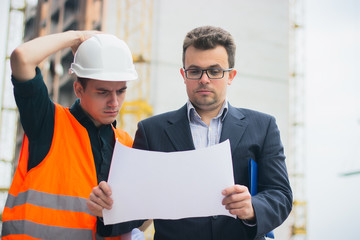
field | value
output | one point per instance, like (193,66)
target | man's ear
(232,75)
(183,73)
(78,89)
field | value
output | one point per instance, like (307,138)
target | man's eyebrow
(215,66)
(104,89)
(123,88)
(211,66)
(192,66)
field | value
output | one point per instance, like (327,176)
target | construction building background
(151,29)
(270,63)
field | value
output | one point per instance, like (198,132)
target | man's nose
(204,78)
(113,101)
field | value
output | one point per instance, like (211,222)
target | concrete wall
(260,29)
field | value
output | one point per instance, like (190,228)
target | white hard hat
(104,57)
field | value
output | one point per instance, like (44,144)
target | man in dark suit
(207,119)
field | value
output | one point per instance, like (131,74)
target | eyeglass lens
(211,73)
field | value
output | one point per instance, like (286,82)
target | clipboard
(252,167)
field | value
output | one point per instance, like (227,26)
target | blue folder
(253,186)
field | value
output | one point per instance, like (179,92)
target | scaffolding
(134,26)
(8,111)
(297,158)
(25,23)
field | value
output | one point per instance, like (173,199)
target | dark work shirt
(37,116)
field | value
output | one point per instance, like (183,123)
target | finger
(234,189)
(94,208)
(89,34)
(236,197)
(242,202)
(99,197)
(83,36)
(243,209)
(104,186)
(232,206)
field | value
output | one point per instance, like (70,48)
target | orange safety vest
(49,201)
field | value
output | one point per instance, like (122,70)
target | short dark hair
(209,37)
(83,81)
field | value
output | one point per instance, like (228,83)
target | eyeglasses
(212,73)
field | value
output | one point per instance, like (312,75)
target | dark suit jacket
(252,135)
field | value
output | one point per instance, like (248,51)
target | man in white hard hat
(66,151)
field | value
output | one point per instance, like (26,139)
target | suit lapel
(234,126)
(179,131)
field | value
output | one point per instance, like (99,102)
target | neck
(208,114)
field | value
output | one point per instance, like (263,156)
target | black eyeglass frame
(205,70)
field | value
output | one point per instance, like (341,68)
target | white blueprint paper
(158,185)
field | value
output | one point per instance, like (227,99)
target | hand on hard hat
(83,36)
(104,57)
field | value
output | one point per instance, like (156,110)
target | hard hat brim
(130,75)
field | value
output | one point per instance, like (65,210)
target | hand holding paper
(238,202)
(100,198)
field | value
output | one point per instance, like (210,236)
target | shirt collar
(191,111)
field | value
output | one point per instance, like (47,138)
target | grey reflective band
(53,201)
(42,231)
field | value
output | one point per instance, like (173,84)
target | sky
(332,73)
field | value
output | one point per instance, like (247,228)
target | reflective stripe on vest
(49,201)
(41,231)
(41,199)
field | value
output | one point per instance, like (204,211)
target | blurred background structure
(272,59)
